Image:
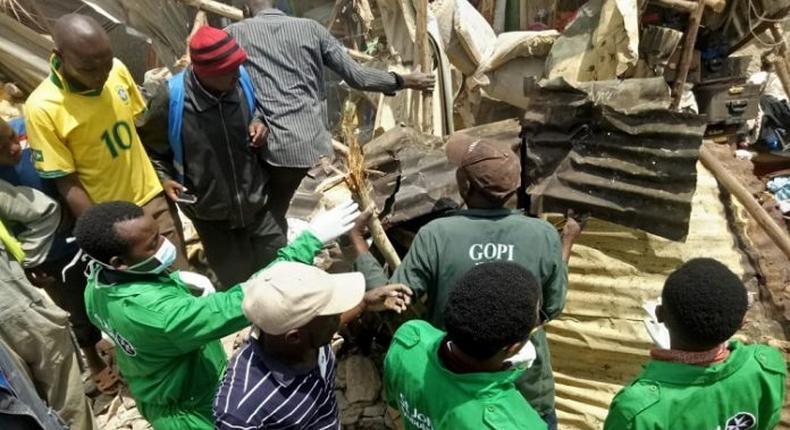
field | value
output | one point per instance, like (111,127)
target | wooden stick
(689,6)
(359,185)
(421,52)
(686,55)
(216,7)
(774,231)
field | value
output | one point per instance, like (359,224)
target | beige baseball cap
(289,295)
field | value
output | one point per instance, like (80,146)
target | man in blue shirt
(56,266)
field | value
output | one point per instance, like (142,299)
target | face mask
(524,357)
(165,257)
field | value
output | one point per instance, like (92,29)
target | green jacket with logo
(446,248)
(430,397)
(168,340)
(745,392)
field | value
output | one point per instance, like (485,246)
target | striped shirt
(259,392)
(286,58)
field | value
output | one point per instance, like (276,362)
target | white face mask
(165,257)
(524,357)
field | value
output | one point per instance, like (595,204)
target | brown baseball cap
(495,172)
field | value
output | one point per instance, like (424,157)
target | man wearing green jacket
(463,379)
(446,248)
(703,381)
(169,339)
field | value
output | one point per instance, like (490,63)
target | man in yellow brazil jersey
(81,126)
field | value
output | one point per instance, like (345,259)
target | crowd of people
(90,181)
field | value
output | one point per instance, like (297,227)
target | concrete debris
(362,379)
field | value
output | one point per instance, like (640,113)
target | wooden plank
(686,55)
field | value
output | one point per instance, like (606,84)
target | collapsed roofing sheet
(23,53)
(598,344)
(614,150)
(415,178)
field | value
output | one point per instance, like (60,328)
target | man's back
(286,65)
(447,248)
(745,392)
(430,397)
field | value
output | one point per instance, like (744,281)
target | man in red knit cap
(203,135)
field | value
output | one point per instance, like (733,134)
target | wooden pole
(686,55)
(421,62)
(779,57)
(775,232)
(216,7)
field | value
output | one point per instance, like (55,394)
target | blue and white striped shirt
(258,392)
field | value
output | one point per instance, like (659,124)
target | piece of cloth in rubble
(20,405)
(448,247)
(219,166)
(775,127)
(39,333)
(780,187)
(286,59)
(429,396)
(746,391)
(169,348)
(260,392)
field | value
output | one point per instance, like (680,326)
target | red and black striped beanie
(214,52)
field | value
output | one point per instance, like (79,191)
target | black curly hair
(703,303)
(492,306)
(95,229)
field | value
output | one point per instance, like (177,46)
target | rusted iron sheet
(417,179)
(619,155)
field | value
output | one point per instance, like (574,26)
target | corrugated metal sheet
(417,179)
(599,342)
(635,167)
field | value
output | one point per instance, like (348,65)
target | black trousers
(283,183)
(235,254)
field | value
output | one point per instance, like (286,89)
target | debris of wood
(686,55)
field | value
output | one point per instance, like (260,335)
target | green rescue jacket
(430,397)
(745,392)
(446,248)
(168,340)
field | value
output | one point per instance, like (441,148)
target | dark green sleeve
(555,284)
(375,276)
(418,269)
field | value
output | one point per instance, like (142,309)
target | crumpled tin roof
(613,149)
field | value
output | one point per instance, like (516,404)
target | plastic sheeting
(599,342)
(601,43)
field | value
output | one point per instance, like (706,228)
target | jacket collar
(687,374)
(61,82)
(270,11)
(487,213)
(282,373)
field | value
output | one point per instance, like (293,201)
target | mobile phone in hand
(187,198)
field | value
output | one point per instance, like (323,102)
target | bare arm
(74,194)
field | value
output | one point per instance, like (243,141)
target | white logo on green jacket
(741,421)
(119,340)
(415,417)
(491,251)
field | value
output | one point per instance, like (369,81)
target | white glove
(197,282)
(524,357)
(657,331)
(330,225)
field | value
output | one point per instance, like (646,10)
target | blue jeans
(551,420)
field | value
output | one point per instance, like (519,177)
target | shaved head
(84,50)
